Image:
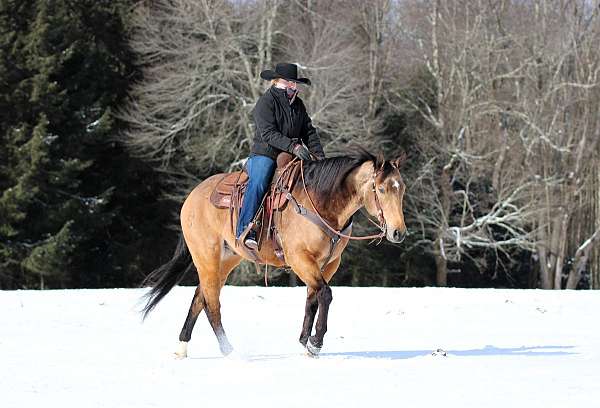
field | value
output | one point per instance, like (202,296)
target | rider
(282,125)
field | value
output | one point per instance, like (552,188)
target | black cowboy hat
(289,72)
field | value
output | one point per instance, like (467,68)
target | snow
(505,348)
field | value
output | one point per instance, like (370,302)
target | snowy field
(505,348)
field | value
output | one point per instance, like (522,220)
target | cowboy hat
(289,72)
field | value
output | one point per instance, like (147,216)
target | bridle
(380,217)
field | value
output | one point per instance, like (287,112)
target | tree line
(113,110)
(77,209)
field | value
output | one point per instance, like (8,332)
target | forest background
(110,111)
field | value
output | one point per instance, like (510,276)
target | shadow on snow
(533,351)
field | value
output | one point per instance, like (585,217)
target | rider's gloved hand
(301,152)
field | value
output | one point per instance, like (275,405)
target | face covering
(291,93)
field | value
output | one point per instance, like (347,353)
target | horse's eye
(381,190)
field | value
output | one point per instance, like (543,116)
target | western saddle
(229,193)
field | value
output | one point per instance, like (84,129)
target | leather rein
(380,217)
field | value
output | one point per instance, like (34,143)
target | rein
(381,219)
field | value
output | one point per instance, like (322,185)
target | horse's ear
(399,161)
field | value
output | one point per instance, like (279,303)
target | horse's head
(385,197)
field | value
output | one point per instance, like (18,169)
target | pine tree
(69,192)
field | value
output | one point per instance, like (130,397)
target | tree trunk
(498,166)
(595,262)
(545,282)
(441,266)
(549,251)
(445,193)
(355,277)
(385,278)
(561,249)
(533,276)
(581,259)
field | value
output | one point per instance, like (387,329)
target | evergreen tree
(75,209)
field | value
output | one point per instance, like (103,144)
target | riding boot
(251,241)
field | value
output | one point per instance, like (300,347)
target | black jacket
(279,125)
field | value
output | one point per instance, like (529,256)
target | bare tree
(510,132)
(464,197)
(502,98)
(340,43)
(557,114)
(201,62)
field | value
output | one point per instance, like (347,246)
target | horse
(335,188)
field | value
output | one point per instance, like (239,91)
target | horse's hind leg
(213,312)
(213,269)
(211,289)
(186,332)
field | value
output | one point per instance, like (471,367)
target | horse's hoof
(313,351)
(181,352)
(179,356)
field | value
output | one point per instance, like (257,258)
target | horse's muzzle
(396,236)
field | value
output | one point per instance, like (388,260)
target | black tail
(163,278)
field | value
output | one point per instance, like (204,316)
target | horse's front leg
(310,311)
(318,298)
(324,298)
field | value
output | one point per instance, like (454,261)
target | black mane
(325,177)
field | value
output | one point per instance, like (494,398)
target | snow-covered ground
(505,348)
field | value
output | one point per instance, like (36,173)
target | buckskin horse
(312,234)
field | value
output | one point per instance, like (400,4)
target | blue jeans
(260,171)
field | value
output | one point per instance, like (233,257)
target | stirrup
(242,238)
(251,242)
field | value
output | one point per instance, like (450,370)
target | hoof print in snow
(439,352)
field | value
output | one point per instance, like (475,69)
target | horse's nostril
(399,235)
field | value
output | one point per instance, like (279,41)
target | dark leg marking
(324,298)
(195,309)
(310,311)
